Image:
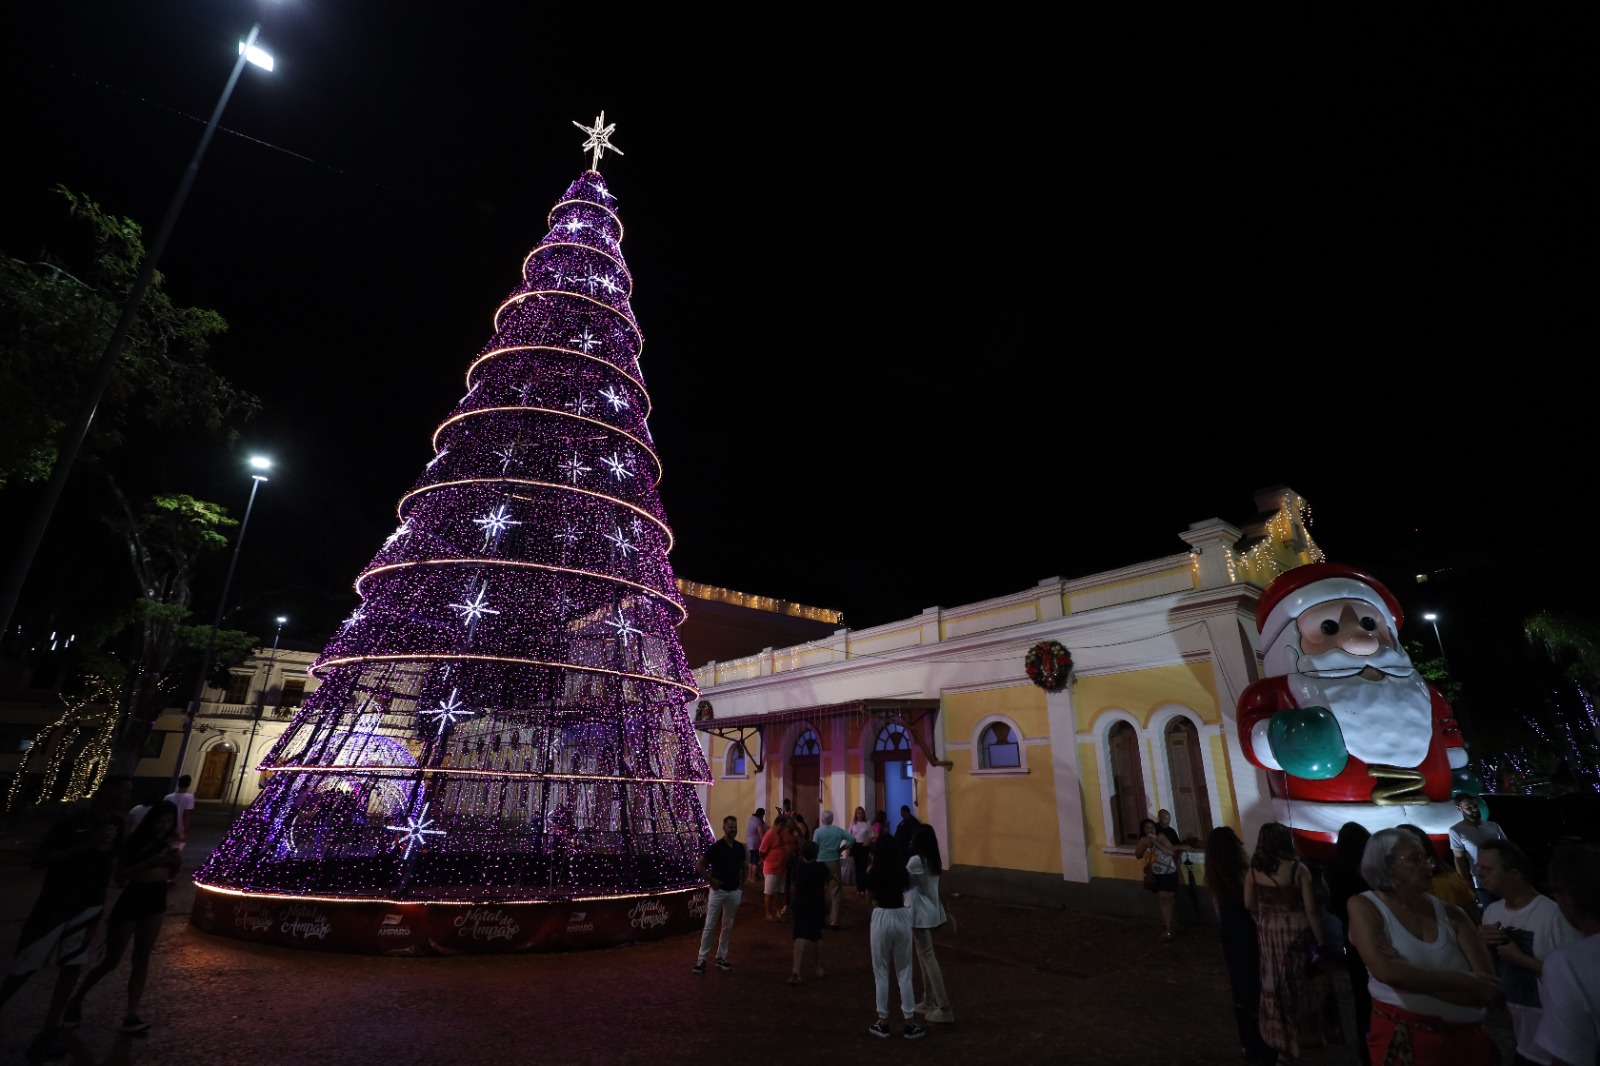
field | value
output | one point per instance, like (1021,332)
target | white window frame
(1158,733)
(978,769)
(728,772)
(1102,756)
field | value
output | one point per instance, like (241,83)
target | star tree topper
(599,140)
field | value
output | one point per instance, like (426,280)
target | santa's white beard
(1387,722)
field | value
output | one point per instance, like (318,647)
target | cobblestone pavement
(1028,986)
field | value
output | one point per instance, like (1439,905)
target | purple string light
(503,716)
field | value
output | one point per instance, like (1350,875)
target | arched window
(734,765)
(1127,798)
(999,748)
(807,744)
(894,741)
(1191,799)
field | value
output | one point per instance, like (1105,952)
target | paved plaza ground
(1028,986)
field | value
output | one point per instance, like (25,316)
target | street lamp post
(255,723)
(1431,617)
(257,463)
(67,454)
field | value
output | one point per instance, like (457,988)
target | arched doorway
(891,762)
(216,771)
(1128,804)
(805,776)
(1191,800)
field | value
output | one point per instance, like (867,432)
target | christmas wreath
(1048,664)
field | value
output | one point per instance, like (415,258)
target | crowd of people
(804,873)
(1432,939)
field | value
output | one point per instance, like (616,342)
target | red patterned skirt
(1402,1038)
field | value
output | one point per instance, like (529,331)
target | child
(810,906)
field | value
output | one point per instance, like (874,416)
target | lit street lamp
(261,706)
(1431,617)
(257,463)
(67,454)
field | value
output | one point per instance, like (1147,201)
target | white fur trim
(1262,746)
(1457,757)
(1434,818)
(1329,588)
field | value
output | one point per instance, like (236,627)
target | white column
(838,797)
(704,740)
(1069,786)
(937,811)
(1233,674)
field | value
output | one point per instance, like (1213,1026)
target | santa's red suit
(1330,639)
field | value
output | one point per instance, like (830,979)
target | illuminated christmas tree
(502,719)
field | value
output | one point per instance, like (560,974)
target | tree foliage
(1569,642)
(57,310)
(165,538)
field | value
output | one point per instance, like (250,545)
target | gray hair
(827,817)
(1378,855)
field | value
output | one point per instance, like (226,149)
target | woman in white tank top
(1431,976)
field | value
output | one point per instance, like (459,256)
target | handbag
(1149,869)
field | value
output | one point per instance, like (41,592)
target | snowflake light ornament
(448,711)
(574,468)
(495,523)
(403,530)
(416,830)
(507,456)
(623,627)
(580,406)
(621,541)
(617,465)
(586,342)
(617,398)
(568,531)
(440,455)
(473,609)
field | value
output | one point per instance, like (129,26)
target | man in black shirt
(723,868)
(906,829)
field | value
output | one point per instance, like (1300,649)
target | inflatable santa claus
(1345,727)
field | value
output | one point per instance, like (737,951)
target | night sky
(933,309)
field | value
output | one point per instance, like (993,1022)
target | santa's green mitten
(1308,743)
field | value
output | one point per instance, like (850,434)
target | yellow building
(1036,795)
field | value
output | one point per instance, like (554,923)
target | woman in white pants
(927,914)
(891,936)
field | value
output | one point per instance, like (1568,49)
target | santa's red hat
(1306,586)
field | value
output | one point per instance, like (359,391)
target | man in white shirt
(1570,1030)
(183,799)
(1521,929)
(1466,836)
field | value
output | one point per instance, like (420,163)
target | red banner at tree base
(378,927)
